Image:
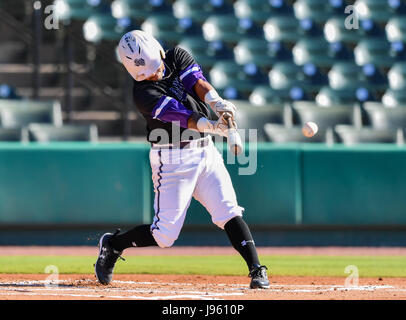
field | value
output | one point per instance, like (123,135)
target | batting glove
(218,104)
(224,106)
(215,127)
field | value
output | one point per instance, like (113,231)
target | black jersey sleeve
(153,103)
(188,69)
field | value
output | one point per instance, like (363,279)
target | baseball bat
(233,139)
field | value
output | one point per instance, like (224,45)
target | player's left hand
(222,106)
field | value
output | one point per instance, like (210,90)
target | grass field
(378,266)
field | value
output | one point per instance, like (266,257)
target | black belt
(184,145)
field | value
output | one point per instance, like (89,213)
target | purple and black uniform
(172,100)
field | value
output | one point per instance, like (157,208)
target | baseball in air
(310,129)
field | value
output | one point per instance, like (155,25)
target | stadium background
(74,163)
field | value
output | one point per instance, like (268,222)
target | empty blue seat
(312,50)
(199,11)
(260,10)
(232,80)
(260,52)
(316,10)
(20,113)
(78,9)
(228,28)
(394,98)
(74,132)
(381,117)
(285,134)
(397,76)
(282,28)
(139,10)
(396,29)
(324,117)
(374,51)
(328,96)
(263,94)
(350,135)
(348,75)
(377,10)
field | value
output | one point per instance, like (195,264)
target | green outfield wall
(293,185)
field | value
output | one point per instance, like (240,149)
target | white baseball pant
(180,174)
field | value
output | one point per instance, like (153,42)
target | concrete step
(20,75)
(80,96)
(109,123)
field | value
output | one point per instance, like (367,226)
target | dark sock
(139,236)
(240,237)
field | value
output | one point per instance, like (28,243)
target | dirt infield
(176,251)
(181,287)
(196,287)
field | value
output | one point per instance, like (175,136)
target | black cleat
(259,278)
(107,259)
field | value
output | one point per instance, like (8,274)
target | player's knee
(163,241)
(166,244)
(221,220)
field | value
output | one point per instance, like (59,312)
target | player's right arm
(155,104)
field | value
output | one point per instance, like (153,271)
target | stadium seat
(260,10)
(282,134)
(105,27)
(19,113)
(398,7)
(394,98)
(168,29)
(206,53)
(328,96)
(397,76)
(139,10)
(325,118)
(377,10)
(67,10)
(251,117)
(371,29)
(396,29)
(336,31)
(309,28)
(312,50)
(286,75)
(398,50)
(350,135)
(230,77)
(199,11)
(347,75)
(260,52)
(282,28)
(316,10)
(265,95)
(374,51)
(11,134)
(381,117)
(228,28)
(49,133)
(340,52)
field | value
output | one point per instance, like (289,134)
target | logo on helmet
(139,62)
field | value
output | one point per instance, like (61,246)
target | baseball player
(173,95)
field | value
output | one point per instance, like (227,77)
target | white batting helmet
(140,53)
